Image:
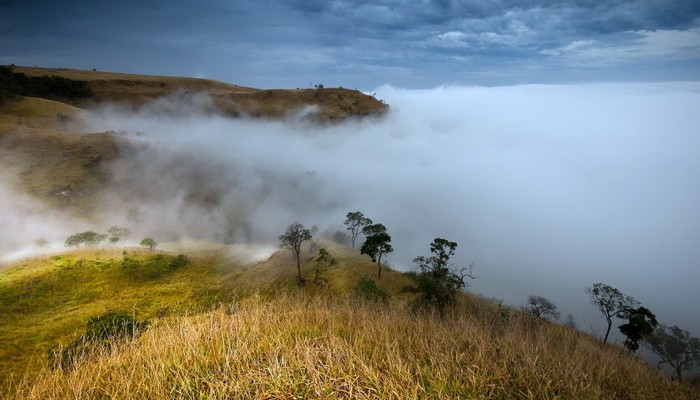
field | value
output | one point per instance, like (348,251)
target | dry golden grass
(296,345)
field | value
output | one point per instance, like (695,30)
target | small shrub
(153,267)
(368,289)
(102,332)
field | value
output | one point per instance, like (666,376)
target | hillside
(207,315)
(60,292)
(335,104)
(47,152)
(222,327)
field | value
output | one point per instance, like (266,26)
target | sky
(361,44)
(555,141)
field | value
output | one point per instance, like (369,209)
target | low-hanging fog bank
(548,189)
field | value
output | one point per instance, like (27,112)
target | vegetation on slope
(299,345)
(219,327)
(334,104)
(46,301)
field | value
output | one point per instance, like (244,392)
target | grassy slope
(40,156)
(272,340)
(335,104)
(46,301)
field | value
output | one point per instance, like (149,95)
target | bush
(154,266)
(368,289)
(102,332)
(15,84)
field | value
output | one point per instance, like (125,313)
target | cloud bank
(548,189)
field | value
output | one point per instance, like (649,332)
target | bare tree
(541,307)
(356,222)
(292,239)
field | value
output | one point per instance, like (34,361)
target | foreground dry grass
(304,346)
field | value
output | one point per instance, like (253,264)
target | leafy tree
(676,347)
(41,242)
(377,243)
(541,307)
(117,233)
(571,321)
(323,261)
(641,323)
(356,222)
(149,242)
(373,229)
(438,280)
(292,239)
(88,238)
(611,303)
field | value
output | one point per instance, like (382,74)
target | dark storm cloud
(350,43)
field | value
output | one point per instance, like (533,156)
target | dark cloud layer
(362,43)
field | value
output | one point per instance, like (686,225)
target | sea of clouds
(546,188)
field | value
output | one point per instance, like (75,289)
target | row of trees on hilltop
(674,346)
(114,235)
(435,283)
(15,84)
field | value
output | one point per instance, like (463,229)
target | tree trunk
(299,268)
(379,267)
(607,332)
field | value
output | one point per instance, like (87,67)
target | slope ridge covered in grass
(299,345)
(335,104)
(222,327)
(46,301)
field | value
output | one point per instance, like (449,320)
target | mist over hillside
(548,189)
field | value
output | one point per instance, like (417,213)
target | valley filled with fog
(546,188)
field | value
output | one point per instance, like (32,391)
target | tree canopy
(641,323)
(356,222)
(88,238)
(149,242)
(438,280)
(377,243)
(676,347)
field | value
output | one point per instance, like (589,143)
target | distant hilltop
(330,104)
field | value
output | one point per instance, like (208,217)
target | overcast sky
(363,44)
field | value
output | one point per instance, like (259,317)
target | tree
(541,307)
(89,238)
(356,222)
(41,242)
(377,243)
(676,347)
(570,321)
(611,303)
(323,261)
(292,239)
(438,280)
(373,229)
(149,242)
(118,233)
(641,323)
